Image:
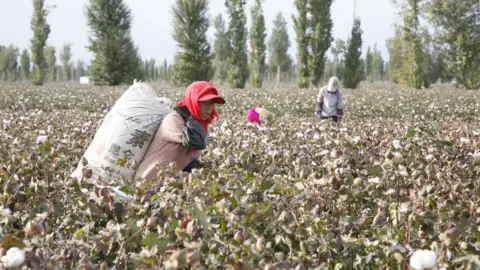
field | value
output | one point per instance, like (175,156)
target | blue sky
(151,28)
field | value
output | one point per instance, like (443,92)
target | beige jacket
(167,147)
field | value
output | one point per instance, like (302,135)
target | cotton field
(396,185)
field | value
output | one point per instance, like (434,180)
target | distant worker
(330,101)
(259,116)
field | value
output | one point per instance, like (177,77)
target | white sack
(127,131)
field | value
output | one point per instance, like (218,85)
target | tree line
(418,56)
(16,66)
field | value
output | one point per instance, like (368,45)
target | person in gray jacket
(330,101)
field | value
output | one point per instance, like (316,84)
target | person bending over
(183,133)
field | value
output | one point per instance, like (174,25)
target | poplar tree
(237,44)
(320,25)
(194,57)
(220,49)
(279,44)
(41,31)
(66,58)
(257,45)
(300,24)
(116,58)
(353,73)
(25,64)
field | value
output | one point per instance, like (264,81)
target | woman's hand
(319,108)
(339,114)
(195,164)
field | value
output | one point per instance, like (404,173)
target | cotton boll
(416,260)
(14,257)
(6,212)
(166,101)
(390,192)
(423,259)
(140,223)
(324,152)
(42,139)
(396,144)
(375,180)
(217,152)
(6,123)
(429,157)
(429,259)
(403,208)
(120,196)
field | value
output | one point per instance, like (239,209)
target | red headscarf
(201,91)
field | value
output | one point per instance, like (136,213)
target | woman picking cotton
(259,116)
(183,133)
(330,101)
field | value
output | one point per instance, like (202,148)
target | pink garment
(253,116)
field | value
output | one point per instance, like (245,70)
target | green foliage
(408,62)
(166,70)
(25,64)
(237,44)
(438,70)
(41,31)
(300,24)
(278,46)
(338,50)
(80,69)
(369,63)
(8,63)
(116,58)
(362,69)
(51,59)
(378,65)
(336,67)
(353,60)
(257,45)
(414,71)
(456,29)
(194,58)
(149,70)
(395,47)
(320,37)
(66,59)
(220,49)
